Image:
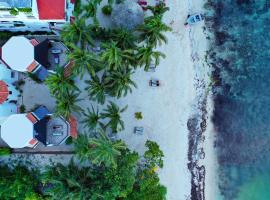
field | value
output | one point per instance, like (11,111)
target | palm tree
(100,150)
(115,57)
(105,151)
(146,56)
(91,8)
(97,89)
(84,60)
(152,30)
(77,32)
(124,38)
(159,9)
(113,113)
(59,84)
(92,119)
(120,83)
(66,104)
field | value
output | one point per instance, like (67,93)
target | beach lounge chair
(138,130)
(154,83)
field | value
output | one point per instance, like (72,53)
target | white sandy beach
(167,109)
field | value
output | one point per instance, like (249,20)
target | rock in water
(127,15)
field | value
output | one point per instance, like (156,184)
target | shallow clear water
(242,104)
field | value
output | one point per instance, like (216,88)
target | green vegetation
(107,10)
(113,113)
(19,183)
(22,108)
(14,11)
(5,151)
(138,115)
(106,60)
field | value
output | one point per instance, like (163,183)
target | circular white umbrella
(17,131)
(18,53)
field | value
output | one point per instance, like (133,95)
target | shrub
(107,10)
(5,151)
(34,77)
(22,109)
(138,115)
(69,140)
(14,11)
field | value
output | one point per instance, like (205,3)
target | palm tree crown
(120,83)
(114,56)
(146,56)
(59,84)
(92,119)
(97,89)
(113,113)
(66,104)
(153,29)
(100,150)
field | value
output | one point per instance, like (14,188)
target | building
(35,15)
(36,56)
(27,130)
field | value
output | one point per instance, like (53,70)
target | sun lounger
(138,130)
(154,83)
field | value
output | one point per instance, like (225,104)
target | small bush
(138,115)
(5,151)
(107,10)
(20,82)
(14,11)
(34,77)
(69,140)
(22,109)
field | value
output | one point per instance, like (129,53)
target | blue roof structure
(41,112)
(42,73)
(16,3)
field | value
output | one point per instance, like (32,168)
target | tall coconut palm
(77,33)
(66,104)
(159,9)
(59,84)
(97,89)
(120,82)
(123,38)
(113,114)
(90,8)
(147,56)
(153,31)
(100,150)
(114,57)
(92,119)
(84,61)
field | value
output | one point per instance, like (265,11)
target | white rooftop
(18,53)
(17,131)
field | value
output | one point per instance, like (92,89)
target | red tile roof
(32,66)
(34,42)
(51,9)
(31,117)
(73,127)
(3,92)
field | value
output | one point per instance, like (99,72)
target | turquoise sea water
(242,102)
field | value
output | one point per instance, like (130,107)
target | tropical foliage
(59,84)
(5,151)
(120,83)
(99,150)
(92,119)
(113,114)
(18,183)
(66,104)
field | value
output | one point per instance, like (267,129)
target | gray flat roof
(16,3)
